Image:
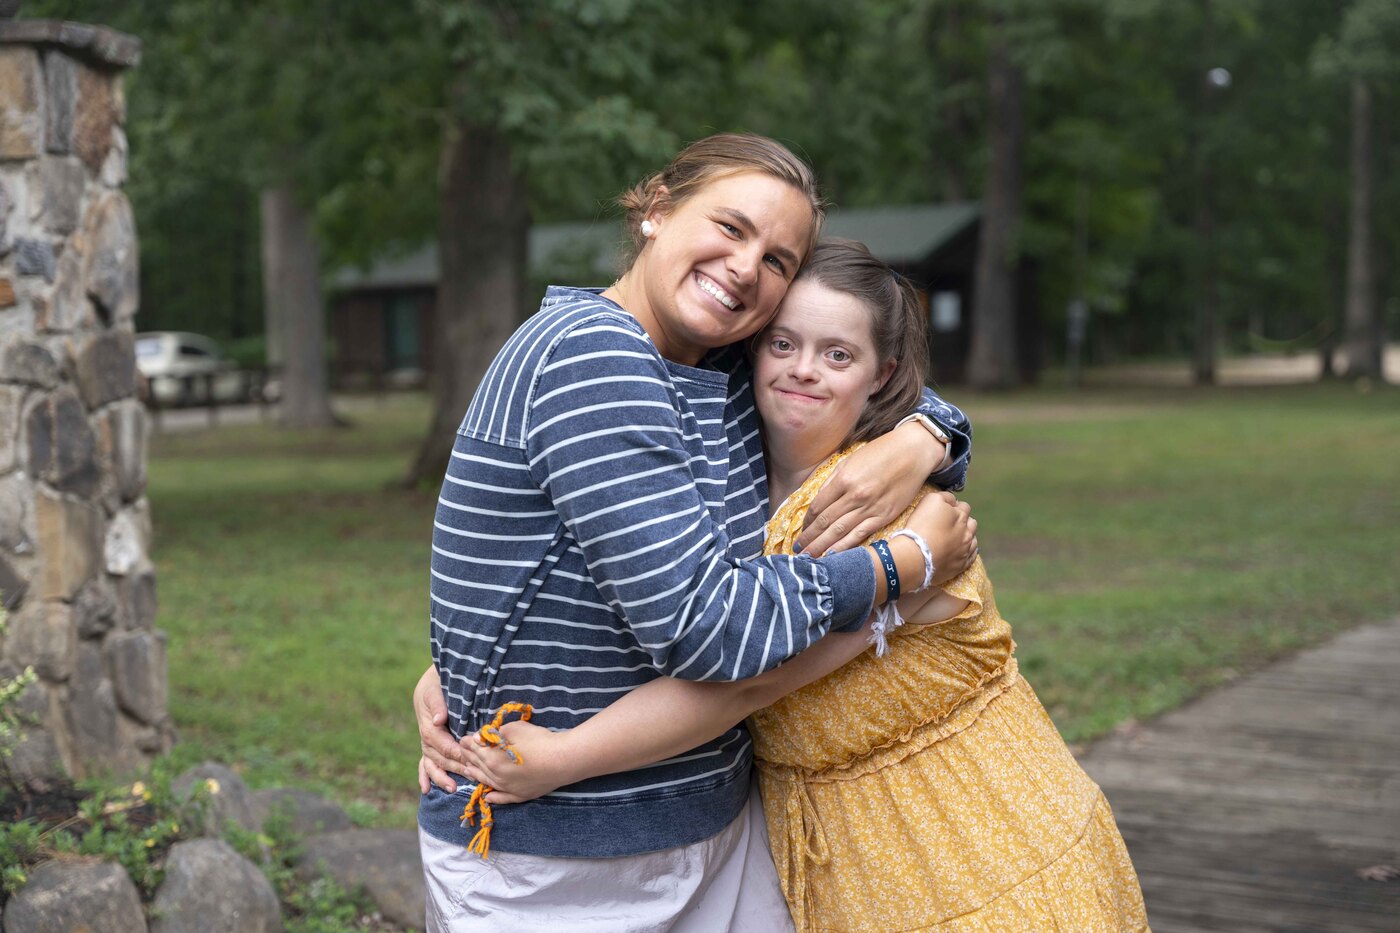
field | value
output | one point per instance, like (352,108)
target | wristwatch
(938,433)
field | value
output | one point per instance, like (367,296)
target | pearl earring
(648,228)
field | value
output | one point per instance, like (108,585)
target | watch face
(934,428)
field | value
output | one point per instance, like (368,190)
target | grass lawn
(1144,544)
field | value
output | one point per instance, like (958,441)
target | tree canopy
(887,98)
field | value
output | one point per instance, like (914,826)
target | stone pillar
(74,522)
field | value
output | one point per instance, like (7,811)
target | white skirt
(724,883)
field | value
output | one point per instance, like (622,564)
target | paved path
(1254,807)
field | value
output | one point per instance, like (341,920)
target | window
(947,312)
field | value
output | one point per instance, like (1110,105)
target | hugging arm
(658,720)
(667,717)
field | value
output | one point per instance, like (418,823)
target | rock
(94,118)
(34,760)
(42,634)
(94,742)
(61,446)
(137,663)
(107,368)
(21,103)
(228,799)
(210,888)
(154,740)
(32,704)
(64,896)
(136,599)
(29,363)
(114,169)
(306,813)
(61,183)
(7,205)
(68,307)
(385,862)
(34,757)
(110,260)
(124,548)
(16,512)
(121,448)
(68,545)
(13,584)
(8,298)
(11,398)
(61,79)
(95,609)
(36,257)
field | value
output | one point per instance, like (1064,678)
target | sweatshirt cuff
(852,583)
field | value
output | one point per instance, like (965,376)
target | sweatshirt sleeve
(953,474)
(605,441)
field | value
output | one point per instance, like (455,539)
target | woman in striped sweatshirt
(600,526)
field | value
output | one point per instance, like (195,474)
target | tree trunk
(1207,328)
(992,360)
(1206,322)
(483,236)
(274,290)
(1363,323)
(296,318)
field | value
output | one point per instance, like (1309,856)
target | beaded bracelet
(923,549)
(882,548)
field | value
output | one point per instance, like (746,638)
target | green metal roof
(899,235)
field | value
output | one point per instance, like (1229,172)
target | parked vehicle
(188,369)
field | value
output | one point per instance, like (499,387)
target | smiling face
(815,367)
(718,263)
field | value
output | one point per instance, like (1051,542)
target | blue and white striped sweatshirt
(598,527)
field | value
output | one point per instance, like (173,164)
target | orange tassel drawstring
(491,733)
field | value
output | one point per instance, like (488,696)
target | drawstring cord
(491,734)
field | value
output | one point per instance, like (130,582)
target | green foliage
(351,100)
(136,824)
(10,690)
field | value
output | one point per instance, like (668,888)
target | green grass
(1145,545)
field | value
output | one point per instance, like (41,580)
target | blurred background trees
(1196,177)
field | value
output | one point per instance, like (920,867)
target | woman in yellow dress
(918,785)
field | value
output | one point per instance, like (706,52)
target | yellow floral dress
(929,790)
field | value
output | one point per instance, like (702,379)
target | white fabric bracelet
(887,619)
(923,549)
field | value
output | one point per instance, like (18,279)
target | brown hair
(896,323)
(708,159)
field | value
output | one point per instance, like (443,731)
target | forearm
(667,717)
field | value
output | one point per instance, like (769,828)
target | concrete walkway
(1260,806)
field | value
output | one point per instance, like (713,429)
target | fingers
(439,762)
(845,524)
(862,532)
(442,746)
(821,530)
(429,771)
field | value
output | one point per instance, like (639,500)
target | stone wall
(74,521)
